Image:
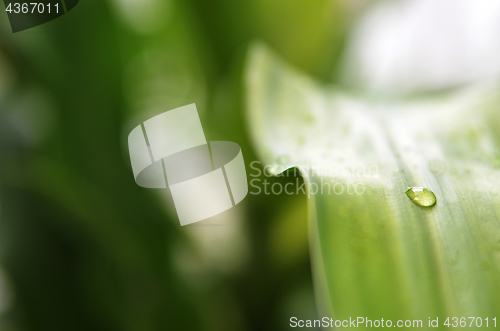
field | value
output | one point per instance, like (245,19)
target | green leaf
(377,254)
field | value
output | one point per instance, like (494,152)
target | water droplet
(421,196)
(273,170)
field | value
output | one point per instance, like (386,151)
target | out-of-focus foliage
(409,47)
(84,248)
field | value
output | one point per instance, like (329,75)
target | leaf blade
(377,254)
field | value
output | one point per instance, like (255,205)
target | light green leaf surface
(378,254)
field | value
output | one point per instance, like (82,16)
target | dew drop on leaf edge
(421,196)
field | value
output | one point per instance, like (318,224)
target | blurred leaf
(375,253)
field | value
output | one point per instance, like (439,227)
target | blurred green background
(82,247)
